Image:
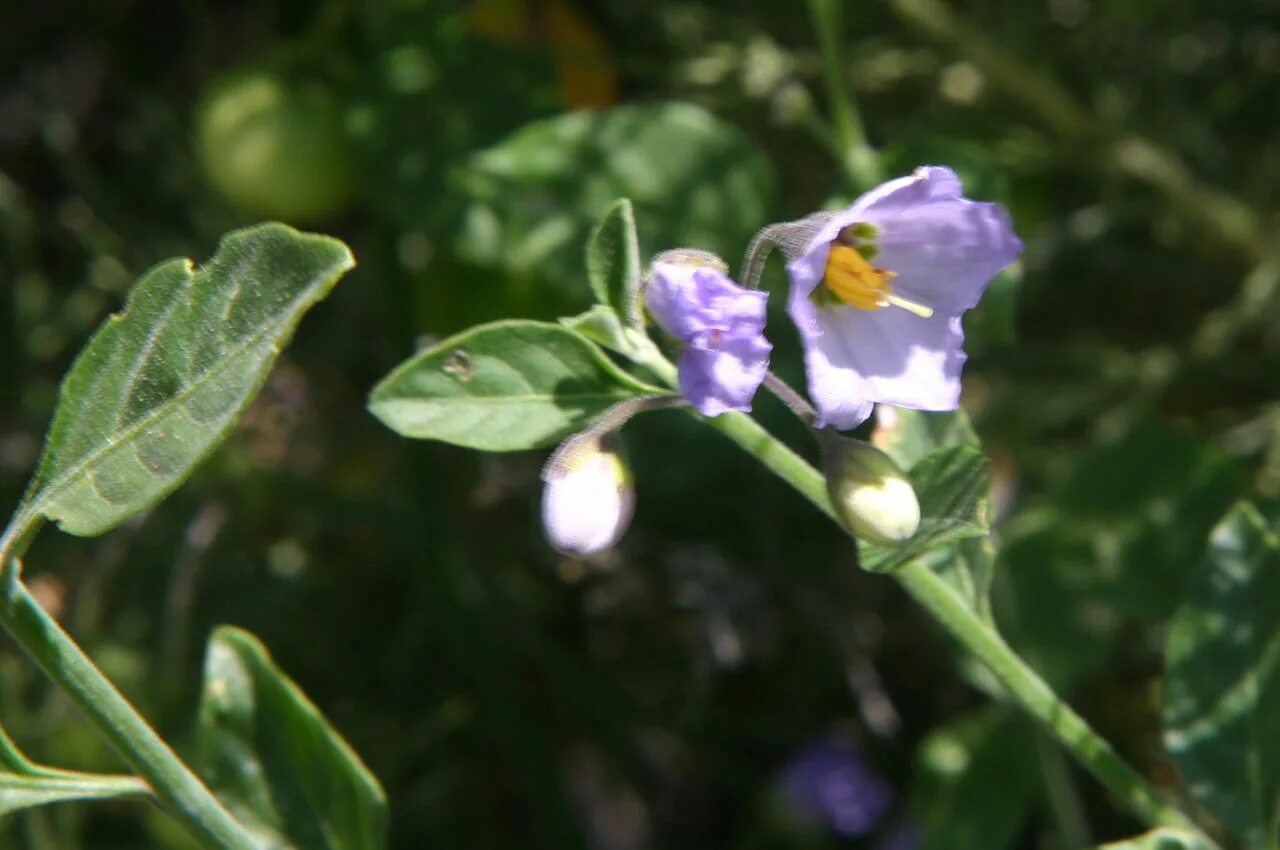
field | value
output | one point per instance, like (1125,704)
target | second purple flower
(720,324)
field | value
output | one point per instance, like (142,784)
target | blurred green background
(1122,378)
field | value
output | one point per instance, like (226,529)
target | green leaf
(951,485)
(503,387)
(271,757)
(1222,689)
(974,782)
(908,436)
(1161,839)
(613,262)
(25,784)
(26,792)
(160,384)
(534,198)
(601,325)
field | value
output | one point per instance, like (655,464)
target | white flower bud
(589,498)
(872,496)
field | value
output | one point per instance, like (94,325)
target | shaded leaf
(951,485)
(160,384)
(974,782)
(1222,689)
(613,262)
(273,759)
(502,387)
(535,197)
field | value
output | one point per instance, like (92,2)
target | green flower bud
(871,494)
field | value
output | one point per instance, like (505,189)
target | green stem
(1022,683)
(178,789)
(856,155)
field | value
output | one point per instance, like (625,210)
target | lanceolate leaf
(1222,690)
(26,792)
(271,757)
(25,784)
(502,387)
(613,262)
(161,383)
(1161,839)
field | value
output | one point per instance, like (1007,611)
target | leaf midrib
(56,486)
(502,399)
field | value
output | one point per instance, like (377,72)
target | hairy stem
(178,789)
(1022,684)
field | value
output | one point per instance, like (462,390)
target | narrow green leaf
(26,792)
(160,384)
(273,759)
(952,487)
(1222,690)
(1160,839)
(613,262)
(503,387)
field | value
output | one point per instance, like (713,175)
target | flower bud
(588,499)
(871,495)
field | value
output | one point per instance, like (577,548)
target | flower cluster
(876,292)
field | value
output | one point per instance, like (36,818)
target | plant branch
(178,789)
(1020,682)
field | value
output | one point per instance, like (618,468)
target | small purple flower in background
(828,784)
(720,324)
(877,291)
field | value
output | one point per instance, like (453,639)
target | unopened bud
(589,498)
(870,493)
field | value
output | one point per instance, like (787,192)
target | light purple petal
(721,326)
(944,250)
(896,357)
(841,395)
(724,378)
(944,247)
(807,269)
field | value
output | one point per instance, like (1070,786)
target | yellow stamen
(859,284)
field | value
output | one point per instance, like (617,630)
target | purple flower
(720,324)
(828,784)
(877,291)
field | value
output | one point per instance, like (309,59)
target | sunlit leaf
(160,384)
(502,387)
(1222,689)
(273,759)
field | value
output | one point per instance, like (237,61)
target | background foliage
(1121,380)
